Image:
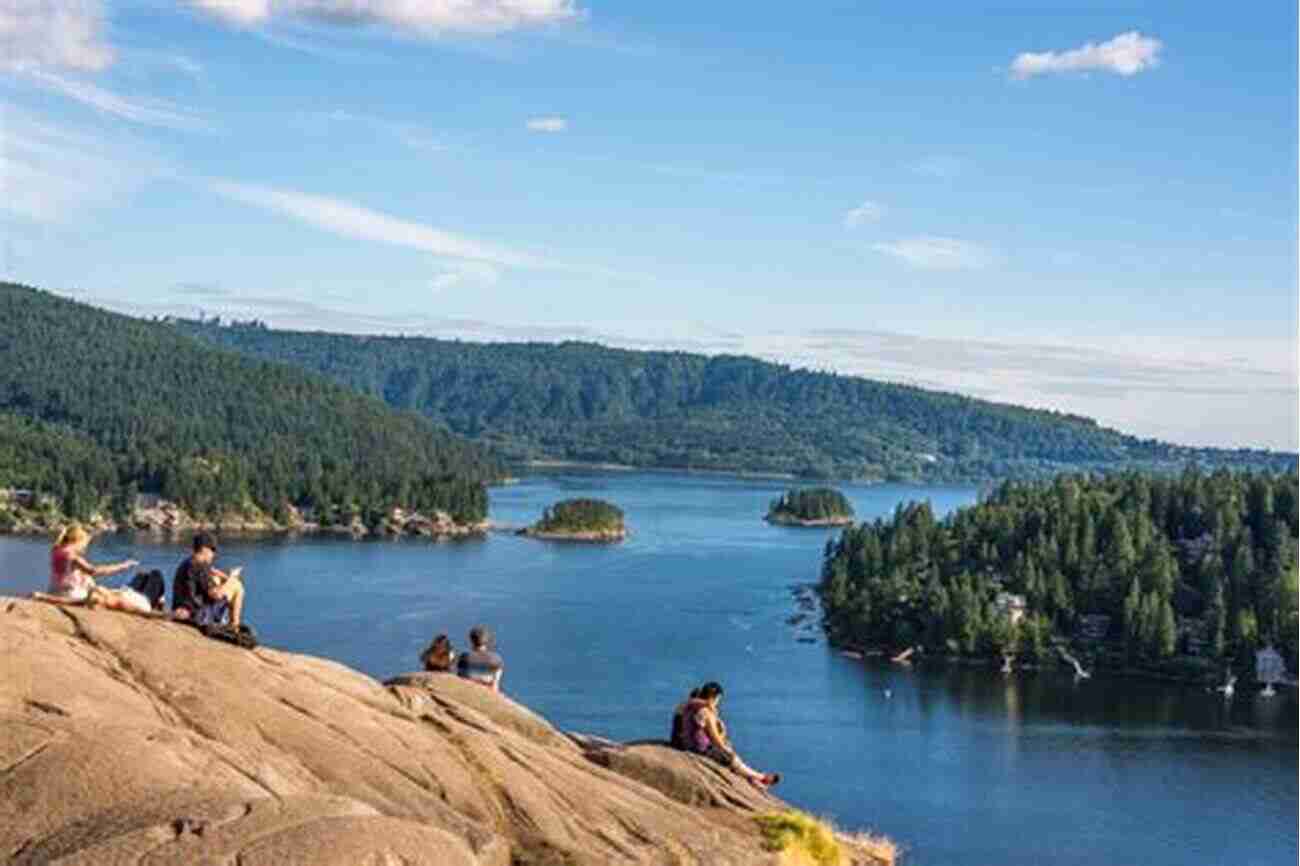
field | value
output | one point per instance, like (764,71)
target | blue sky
(1089,209)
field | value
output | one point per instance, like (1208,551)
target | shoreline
(583,536)
(658,470)
(780,519)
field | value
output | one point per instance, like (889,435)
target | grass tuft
(802,836)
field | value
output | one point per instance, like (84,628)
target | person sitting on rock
(438,657)
(203,594)
(705,734)
(481,664)
(72,576)
(677,737)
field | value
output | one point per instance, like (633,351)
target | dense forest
(812,503)
(97,407)
(581,515)
(1178,573)
(585,402)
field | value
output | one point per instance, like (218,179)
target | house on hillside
(1011,605)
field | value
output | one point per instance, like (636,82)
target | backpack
(677,737)
(685,725)
(241,635)
(152,585)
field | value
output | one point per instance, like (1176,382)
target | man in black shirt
(202,593)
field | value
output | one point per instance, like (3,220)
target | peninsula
(125,738)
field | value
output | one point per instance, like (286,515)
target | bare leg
(233,590)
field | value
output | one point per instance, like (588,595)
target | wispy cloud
(53,33)
(416,137)
(51,172)
(1127,54)
(465,274)
(149,112)
(354,221)
(185,64)
(421,18)
(867,212)
(939,166)
(937,253)
(547,124)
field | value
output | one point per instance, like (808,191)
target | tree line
(1179,572)
(97,407)
(586,402)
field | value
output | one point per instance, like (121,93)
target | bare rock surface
(129,740)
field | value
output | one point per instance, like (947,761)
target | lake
(959,765)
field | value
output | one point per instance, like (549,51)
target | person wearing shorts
(72,576)
(705,734)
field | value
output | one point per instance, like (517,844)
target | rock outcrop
(30,515)
(126,739)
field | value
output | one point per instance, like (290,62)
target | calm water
(960,766)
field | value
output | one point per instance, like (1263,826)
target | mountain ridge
(584,402)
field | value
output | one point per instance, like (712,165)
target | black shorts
(720,756)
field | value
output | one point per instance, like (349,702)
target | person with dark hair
(677,736)
(438,656)
(203,594)
(481,664)
(705,734)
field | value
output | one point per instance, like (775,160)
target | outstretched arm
(88,567)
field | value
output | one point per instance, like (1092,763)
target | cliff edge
(126,739)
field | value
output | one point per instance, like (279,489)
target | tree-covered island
(1181,576)
(813,506)
(580,520)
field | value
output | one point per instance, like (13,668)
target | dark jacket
(190,586)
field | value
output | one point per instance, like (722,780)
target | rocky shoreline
(164,518)
(780,518)
(591,536)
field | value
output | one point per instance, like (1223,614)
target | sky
(1085,207)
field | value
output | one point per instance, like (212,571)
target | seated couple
(698,727)
(200,594)
(481,664)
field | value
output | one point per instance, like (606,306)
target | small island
(579,520)
(816,506)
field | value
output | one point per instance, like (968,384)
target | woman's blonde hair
(73,533)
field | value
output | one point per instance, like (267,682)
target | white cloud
(867,212)
(150,112)
(547,124)
(937,253)
(351,220)
(426,17)
(1127,54)
(53,33)
(40,38)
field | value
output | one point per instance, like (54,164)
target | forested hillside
(584,402)
(1198,566)
(95,407)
